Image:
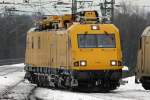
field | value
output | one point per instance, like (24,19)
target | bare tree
(131,23)
(12,35)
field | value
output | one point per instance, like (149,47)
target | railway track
(32,96)
(13,85)
(20,91)
(7,90)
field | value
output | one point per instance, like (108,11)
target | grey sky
(136,2)
(132,2)
(139,2)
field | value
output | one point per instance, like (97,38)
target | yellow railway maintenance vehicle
(71,54)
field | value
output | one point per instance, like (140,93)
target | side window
(28,43)
(140,43)
(32,43)
(39,43)
(69,42)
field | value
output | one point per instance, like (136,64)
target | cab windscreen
(96,41)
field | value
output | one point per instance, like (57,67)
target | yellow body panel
(49,52)
(97,58)
(59,49)
(90,15)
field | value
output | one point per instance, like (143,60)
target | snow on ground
(12,84)
(11,78)
(14,65)
(20,92)
(130,91)
(134,91)
(48,94)
(130,85)
(18,65)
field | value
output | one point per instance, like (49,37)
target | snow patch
(14,65)
(10,80)
(18,65)
(129,91)
(131,84)
(48,94)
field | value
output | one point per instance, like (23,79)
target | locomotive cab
(94,41)
(96,52)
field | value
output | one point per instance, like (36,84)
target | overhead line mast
(75,6)
(74,9)
(107,9)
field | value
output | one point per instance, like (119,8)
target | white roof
(146,32)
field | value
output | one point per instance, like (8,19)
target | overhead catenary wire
(34,5)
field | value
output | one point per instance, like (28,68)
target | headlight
(113,63)
(94,27)
(83,63)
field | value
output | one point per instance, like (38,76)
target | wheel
(39,84)
(113,87)
(73,89)
(146,86)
